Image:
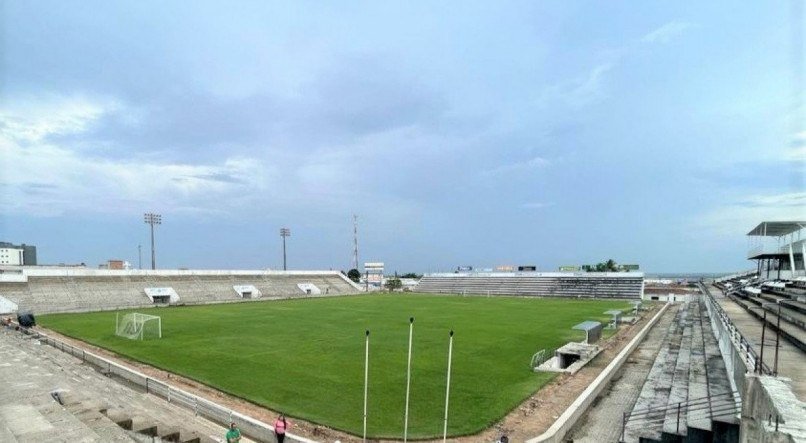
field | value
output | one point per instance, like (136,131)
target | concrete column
(791,260)
(803,256)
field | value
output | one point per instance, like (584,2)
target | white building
(779,248)
(11,256)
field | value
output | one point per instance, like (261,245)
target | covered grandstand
(778,248)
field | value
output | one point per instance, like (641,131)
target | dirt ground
(530,419)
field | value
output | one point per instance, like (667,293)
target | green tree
(354,275)
(393,284)
(609,266)
(411,275)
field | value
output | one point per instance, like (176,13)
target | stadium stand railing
(724,326)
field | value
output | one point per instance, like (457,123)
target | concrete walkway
(791,360)
(602,422)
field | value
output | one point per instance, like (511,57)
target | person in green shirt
(234,434)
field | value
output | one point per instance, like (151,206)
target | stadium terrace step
(168,432)
(792,333)
(76,293)
(144,425)
(120,417)
(789,315)
(789,292)
(648,415)
(7,436)
(539,284)
(674,423)
(795,305)
(687,395)
(698,421)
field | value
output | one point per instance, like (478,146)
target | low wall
(770,412)
(736,352)
(250,427)
(558,430)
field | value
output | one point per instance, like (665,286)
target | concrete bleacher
(543,284)
(687,395)
(767,300)
(58,290)
(50,396)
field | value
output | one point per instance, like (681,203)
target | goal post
(137,326)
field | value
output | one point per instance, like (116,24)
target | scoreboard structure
(373,272)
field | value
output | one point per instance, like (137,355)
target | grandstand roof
(776,228)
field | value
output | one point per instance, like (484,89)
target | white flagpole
(447,389)
(366,381)
(408,384)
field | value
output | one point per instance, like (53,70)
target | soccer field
(306,357)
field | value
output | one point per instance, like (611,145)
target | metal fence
(723,325)
(719,406)
(201,407)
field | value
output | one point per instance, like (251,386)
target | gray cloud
(342,104)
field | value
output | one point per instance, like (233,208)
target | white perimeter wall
(21,273)
(539,274)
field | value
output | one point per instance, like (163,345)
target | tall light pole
(284,232)
(139,256)
(355,241)
(153,219)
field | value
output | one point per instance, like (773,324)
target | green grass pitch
(306,357)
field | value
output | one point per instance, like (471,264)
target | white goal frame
(132,325)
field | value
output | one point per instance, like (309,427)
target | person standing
(280,426)
(234,434)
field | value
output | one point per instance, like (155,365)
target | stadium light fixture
(284,232)
(152,219)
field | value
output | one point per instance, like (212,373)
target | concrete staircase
(687,396)
(51,396)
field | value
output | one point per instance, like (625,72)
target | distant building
(115,264)
(17,255)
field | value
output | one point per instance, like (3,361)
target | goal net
(136,326)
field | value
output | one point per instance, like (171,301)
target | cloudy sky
(461,133)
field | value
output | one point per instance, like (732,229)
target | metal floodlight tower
(284,232)
(153,219)
(355,241)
